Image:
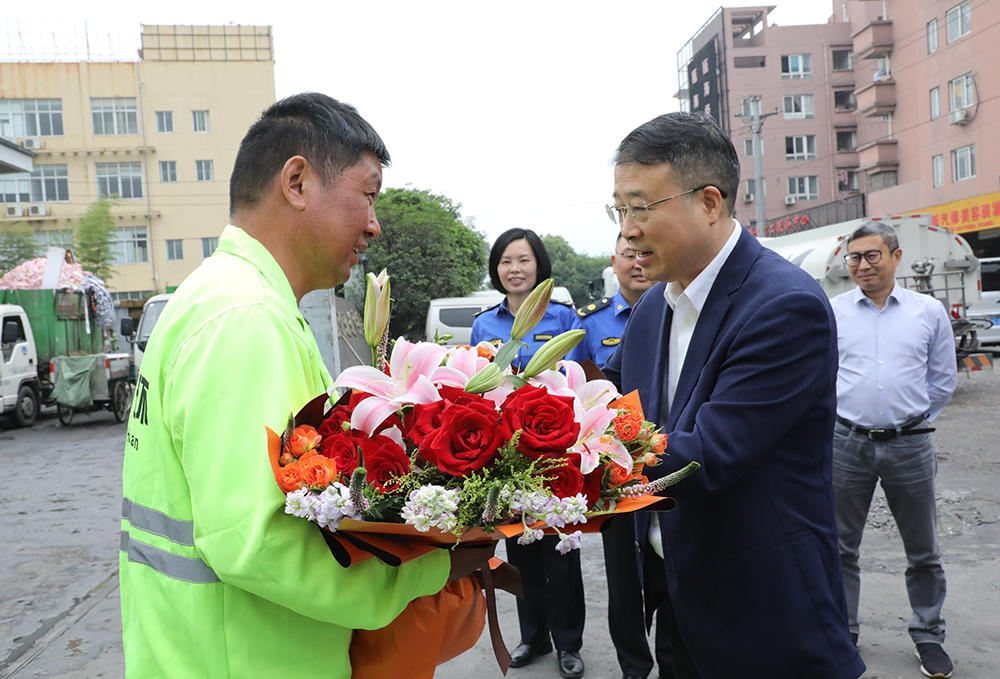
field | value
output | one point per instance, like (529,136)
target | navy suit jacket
(750,551)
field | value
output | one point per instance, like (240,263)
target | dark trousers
(553,603)
(626,622)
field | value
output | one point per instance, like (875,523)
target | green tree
(17,244)
(95,233)
(574,271)
(429,252)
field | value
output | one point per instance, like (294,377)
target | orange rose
(627,426)
(658,443)
(289,477)
(308,455)
(317,471)
(302,440)
(619,475)
(483,352)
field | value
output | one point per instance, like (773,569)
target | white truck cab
(150,312)
(19,395)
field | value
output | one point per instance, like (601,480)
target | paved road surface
(59,522)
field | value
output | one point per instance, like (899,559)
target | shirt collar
(697,291)
(860,297)
(619,304)
(238,243)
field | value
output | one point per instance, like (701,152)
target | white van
(150,312)
(454,315)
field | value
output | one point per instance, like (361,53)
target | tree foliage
(429,252)
(575,271)
(95,233)
(17,245)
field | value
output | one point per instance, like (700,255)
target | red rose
(342,448)
(592,486)
(468,437)
(384,459)
(568,480)
(547,423)
(422,420)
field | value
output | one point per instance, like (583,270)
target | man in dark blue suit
(734,353)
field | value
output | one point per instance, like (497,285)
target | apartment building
(878,111)
(156,135)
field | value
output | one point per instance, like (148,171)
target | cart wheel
(65,415)
(122,400)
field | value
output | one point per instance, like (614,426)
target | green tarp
(72,384)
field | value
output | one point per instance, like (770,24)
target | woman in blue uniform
(552,610)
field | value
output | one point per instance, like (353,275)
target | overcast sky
(511,109)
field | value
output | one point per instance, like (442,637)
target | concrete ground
(59,522)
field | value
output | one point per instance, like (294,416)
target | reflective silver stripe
(158,523)
(163,562)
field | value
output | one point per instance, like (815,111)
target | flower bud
(376,307)
(487,379)
(532,309)
(551,352)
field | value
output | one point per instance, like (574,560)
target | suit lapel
(710,320)
(658,377)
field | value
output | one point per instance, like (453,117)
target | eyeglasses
(640,213)
(628,255)
(871,256)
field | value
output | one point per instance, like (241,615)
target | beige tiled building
(889,107)
(157,135)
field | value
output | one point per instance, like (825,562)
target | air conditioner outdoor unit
(33,143)
(748,198)
(14,211)
(789,200)
(38,210)
(960,116)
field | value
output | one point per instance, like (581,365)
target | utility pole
(757,122)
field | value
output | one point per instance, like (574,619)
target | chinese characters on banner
(970,214)
(785,225)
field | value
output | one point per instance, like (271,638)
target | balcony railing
(874,41)
(876,98)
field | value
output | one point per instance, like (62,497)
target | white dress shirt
(896,362)
(687,304)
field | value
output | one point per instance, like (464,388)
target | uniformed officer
(604,322)
(552,609)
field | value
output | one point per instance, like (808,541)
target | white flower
(569,542)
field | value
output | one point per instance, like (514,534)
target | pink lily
(407,383)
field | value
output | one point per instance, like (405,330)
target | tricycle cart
(93,382)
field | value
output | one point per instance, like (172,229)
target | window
(46,184)
(114,115)
(751,193)
(804,188)
(208,246)
(119,180)
(130,245)
(847,180)
(748,147)
(749,62)
(168,171)
(796,66)
(200,120)
(801,147)
(62,238)
(932,36)
(31,118)
(204,171)
(937,169)
(962,92)
(963,163)
(798,106)
(884,71)
(843,100)
(881,180)
(164,121)
(175,249)
(842,60)
(847,140)
(935,103)
(959,20)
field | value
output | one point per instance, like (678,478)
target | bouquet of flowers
(452,441)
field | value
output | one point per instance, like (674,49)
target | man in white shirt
(897,372)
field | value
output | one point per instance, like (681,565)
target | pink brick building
(887,108)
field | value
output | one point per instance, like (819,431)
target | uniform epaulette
(559,301)
(588,309)
(489,308)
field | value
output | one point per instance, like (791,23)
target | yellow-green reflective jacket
(216,580)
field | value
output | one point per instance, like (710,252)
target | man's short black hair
(543,265)
(331,135)
(874,228)
(698,150)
